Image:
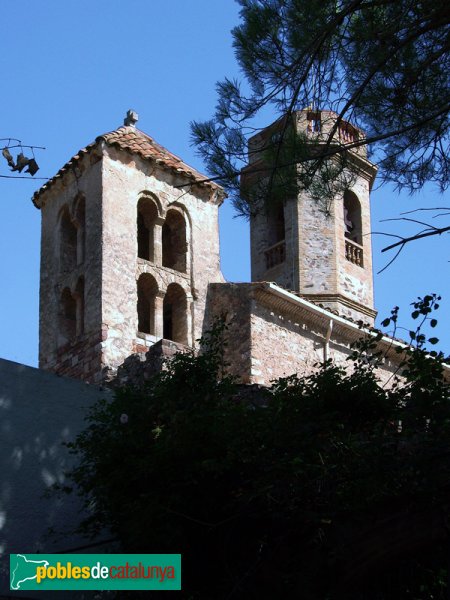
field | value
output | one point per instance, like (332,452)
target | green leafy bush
(328,486)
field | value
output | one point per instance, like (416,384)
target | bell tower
(323,255)
(129,244)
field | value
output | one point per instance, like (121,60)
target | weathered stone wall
(316,247)
(286,272)
(356,282)
(139,368)
(284,343)
(125,180)
(326,275)
(269,338)
(232,302)
(80,356)
(111,182)
(281,345)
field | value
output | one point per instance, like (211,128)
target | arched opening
(275,253)
(353,229)
(79,299)
(352,217)
(174,247)
(175,314)
(147,288)
(275,225)
(81,228)
(147,213)
(67,318)
(314,121)
(68,242)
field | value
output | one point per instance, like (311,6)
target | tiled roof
(138,142)
(133,140)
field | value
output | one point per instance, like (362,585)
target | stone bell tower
(322,255)
(129,243)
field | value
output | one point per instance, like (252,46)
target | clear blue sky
(70,70)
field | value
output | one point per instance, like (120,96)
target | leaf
(433,340)
(433,322)
(386,322)
(415,314)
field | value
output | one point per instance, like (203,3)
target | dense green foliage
(384,65)
(328,486)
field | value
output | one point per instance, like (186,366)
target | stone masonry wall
(78,357)
(267,340)
(356,282)
(316,247)
(232,302)
(125,179)
(285,273)
(281,345)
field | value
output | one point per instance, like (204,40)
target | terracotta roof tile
(137,142)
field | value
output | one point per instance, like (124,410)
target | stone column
(157,241)
(159,323)
(190,337)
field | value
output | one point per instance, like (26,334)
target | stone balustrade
(275,255)
(354,253)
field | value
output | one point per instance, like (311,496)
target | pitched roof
(133,140)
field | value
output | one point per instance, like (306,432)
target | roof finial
(131,118)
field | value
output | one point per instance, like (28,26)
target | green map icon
(23,569)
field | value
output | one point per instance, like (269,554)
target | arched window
(147,288)
(353,229)
(67,242)
(80,217)
(79,299)
(275,254)
(352,217)
(175,314)
(314,121)
(67,318)
(275,225)
(174,246)
(147,213)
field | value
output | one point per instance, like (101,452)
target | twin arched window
(164,243)
(72,235)
(171,237)
(168,318)
(71,254)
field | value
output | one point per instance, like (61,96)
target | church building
(130,259)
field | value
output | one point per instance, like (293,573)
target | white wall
(38,411)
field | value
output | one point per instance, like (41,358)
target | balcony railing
(347,133)
(354,253)
(319,125)
(275,255)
